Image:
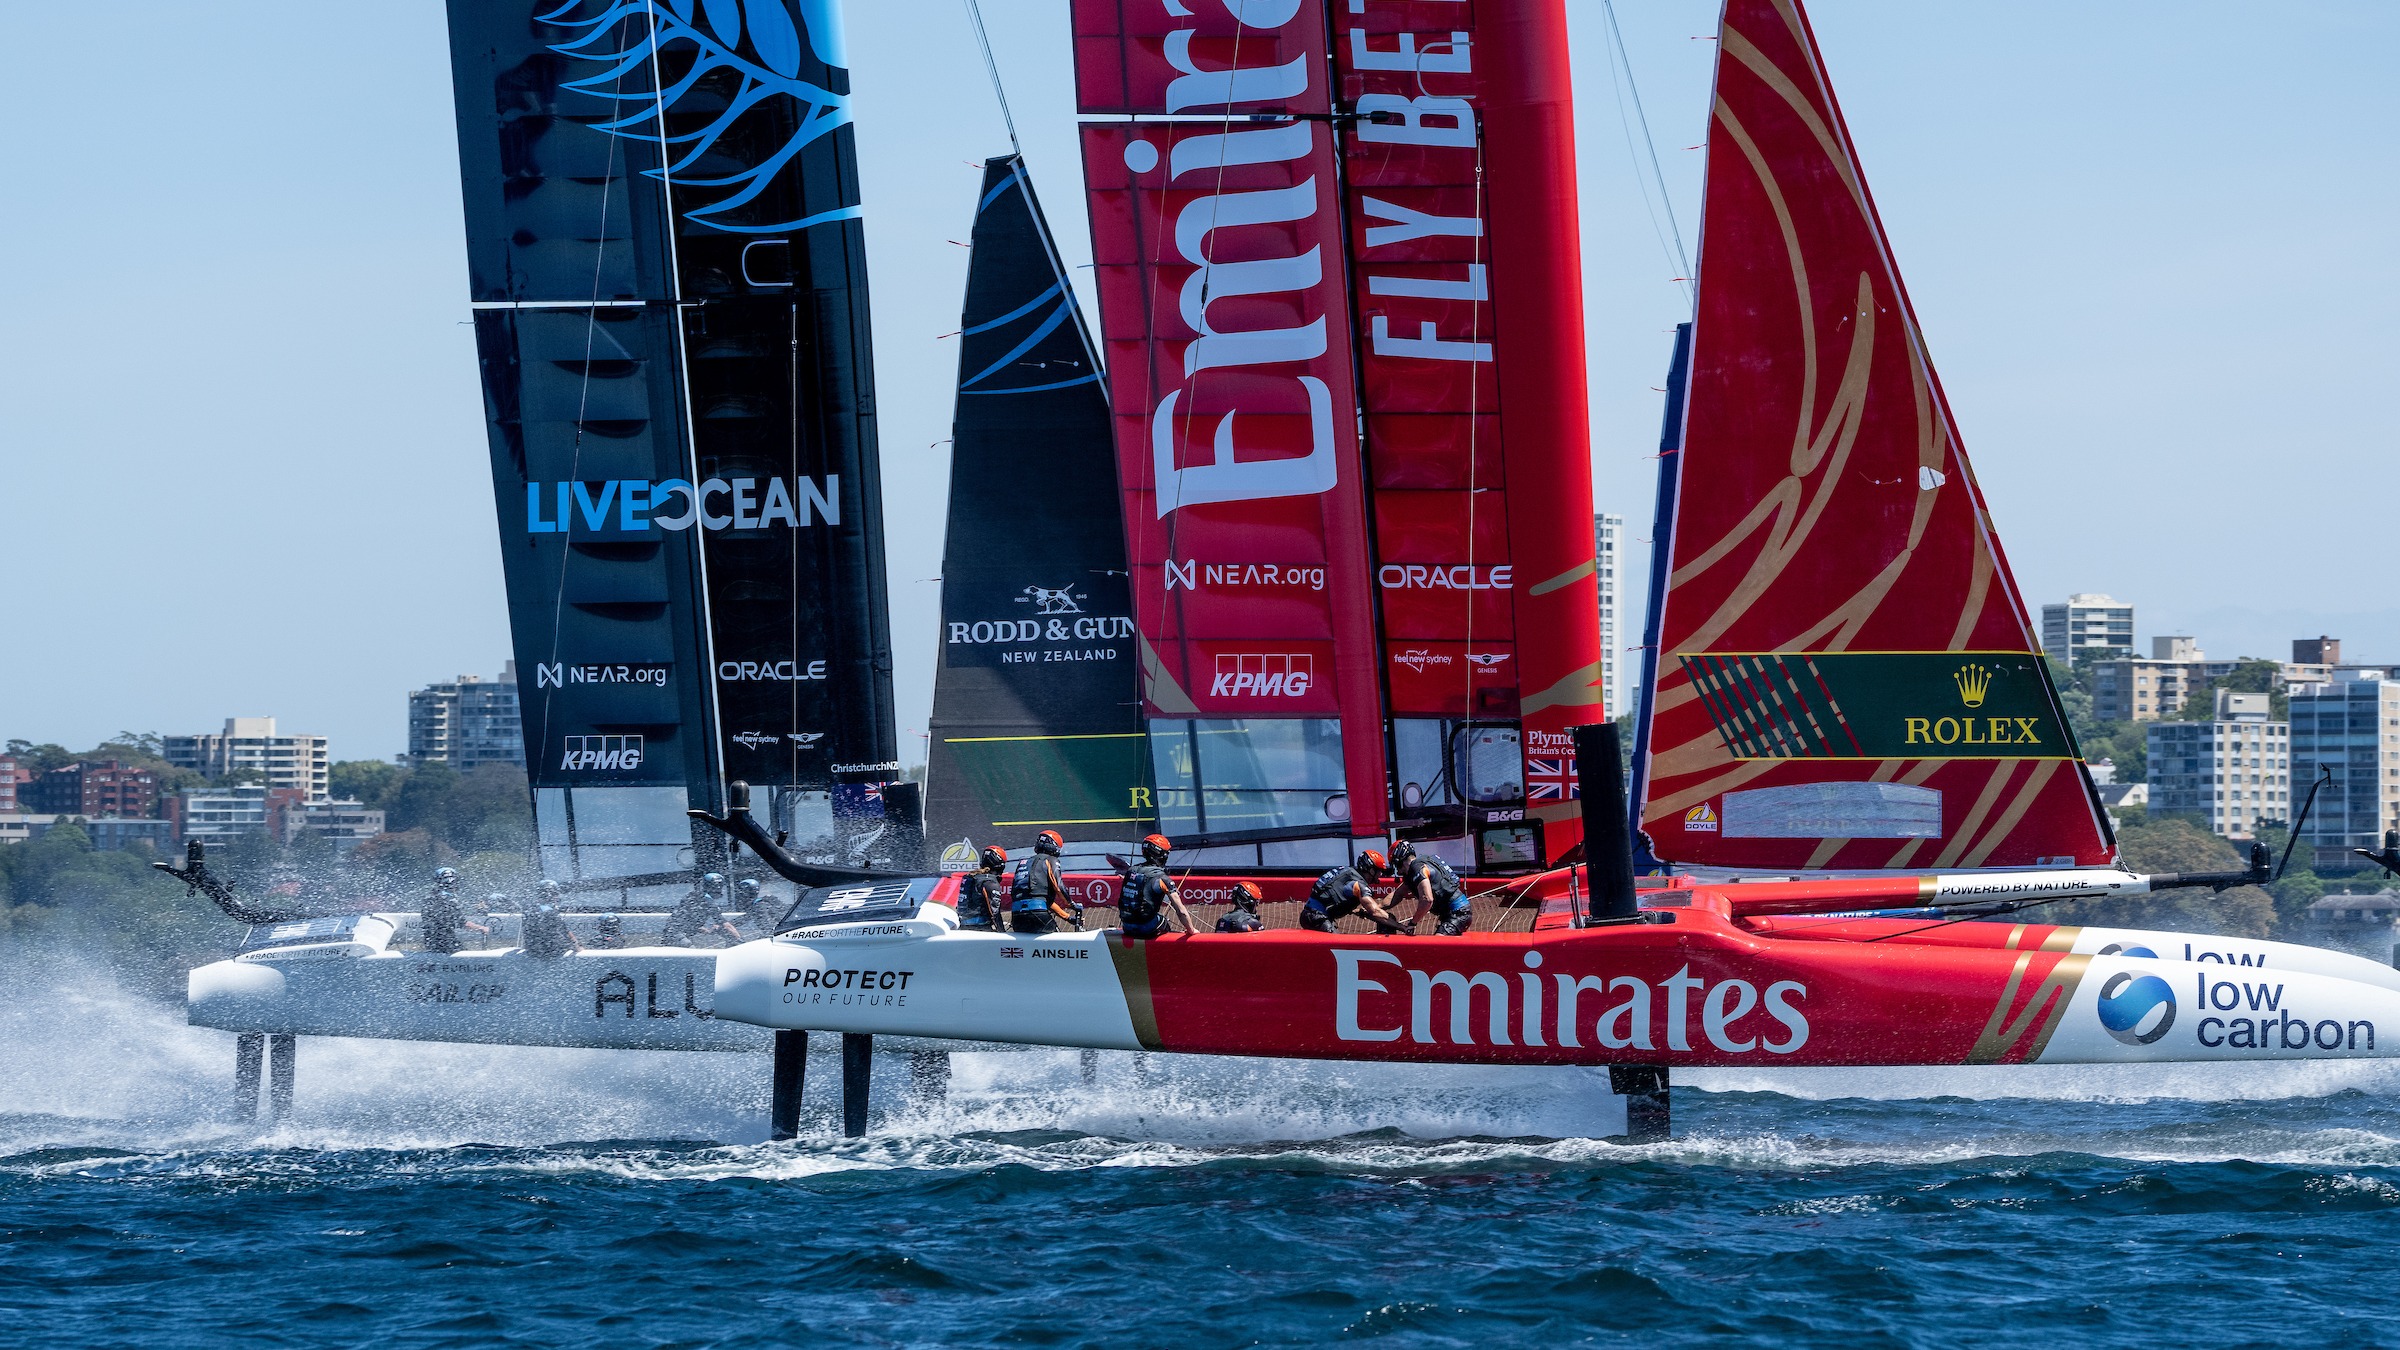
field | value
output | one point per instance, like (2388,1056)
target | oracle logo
(1463,577)
(1263,675)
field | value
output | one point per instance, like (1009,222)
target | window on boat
(1217,775)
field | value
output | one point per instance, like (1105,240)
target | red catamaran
(1339,298)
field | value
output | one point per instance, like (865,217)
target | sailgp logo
(2136,1009)
(1263,675)
(622,753)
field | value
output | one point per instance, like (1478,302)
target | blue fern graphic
(630,35)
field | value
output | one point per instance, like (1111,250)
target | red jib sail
(1846,676)
(1355,221)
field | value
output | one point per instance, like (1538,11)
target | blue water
(480,1197)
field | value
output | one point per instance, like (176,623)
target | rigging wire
(1619,57)
(992,67)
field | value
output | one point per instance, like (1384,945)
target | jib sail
(668,277)
(1340,295)
(1845,676)
(1036,715)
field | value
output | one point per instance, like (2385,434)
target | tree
(367,781)
(490,810)
(420,801)
(2175,844)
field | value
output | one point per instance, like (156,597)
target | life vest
(1340,884)
(1035,884)
(1240,921)
(977,905)
(1140,895)
(1445,881)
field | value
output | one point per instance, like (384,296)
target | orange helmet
(1246,895)
(1156,847)
(994,856)
(1373,863)
(1048,841)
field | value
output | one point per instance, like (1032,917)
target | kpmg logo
(558,675)
(589,753)
(2136,1009)
(1263,675)
(639,506)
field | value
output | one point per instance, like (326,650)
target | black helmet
(1372,864)
(1403,853)
(1246,895)
(547,887)
(748,887)
(445,877)
(993,857)
(496,899)
(1048,841)
(1155,848)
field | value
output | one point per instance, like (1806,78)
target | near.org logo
(623,753)
(1263,675)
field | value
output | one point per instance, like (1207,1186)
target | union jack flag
(1550,779)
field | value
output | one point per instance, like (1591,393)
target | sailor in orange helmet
(1037,900)
(1344,890)
(1243,917)
(1147,892)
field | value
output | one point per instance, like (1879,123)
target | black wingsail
(1036,714)
(669,281)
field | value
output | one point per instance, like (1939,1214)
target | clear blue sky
(2152,244)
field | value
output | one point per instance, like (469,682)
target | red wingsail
(1846,676)
(1355,217)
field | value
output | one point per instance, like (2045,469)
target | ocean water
(467,1196)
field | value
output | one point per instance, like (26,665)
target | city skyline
(337,466)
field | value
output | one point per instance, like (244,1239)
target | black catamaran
(1036,706)
(669,280)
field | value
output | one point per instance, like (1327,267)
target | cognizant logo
(582,753)
(638,506)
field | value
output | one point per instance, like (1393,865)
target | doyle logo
(1974,681)
(1462,577)
(1489,1007)
(639,506)
(586,753)
(558,675)
(1192,576)
(1263,675)
(1701,819)
(788,671)
(1047,601)
(2136,1009)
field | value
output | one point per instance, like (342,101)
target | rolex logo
(1974,681)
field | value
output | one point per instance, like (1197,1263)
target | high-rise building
(2087,623)
(93,788)
(467,722)
(2351,725)
(2134,689)
(13,777)
(298,763)
(2231,773)
(1608,559)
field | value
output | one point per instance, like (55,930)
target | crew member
(1435,888)
(611,936)
(759,909)
(697,921)
(1147,892)
(1037,898)
(983,893)
(441,917)
(1243,917)
(547,936)
(1347,890)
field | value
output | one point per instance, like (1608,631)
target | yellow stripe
(1046,820)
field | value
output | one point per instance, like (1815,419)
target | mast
(1036,712)
(668,272)
(1845,675)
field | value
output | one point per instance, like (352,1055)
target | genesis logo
(753,740)
(623,753)
(2136,1009)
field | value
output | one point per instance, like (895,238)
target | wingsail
(1844,675)
(1036,715)
(669,283)
(1340,296)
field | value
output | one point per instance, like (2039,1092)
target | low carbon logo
(2136,1009)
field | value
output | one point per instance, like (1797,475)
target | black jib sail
(669,281)
(1036,719)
